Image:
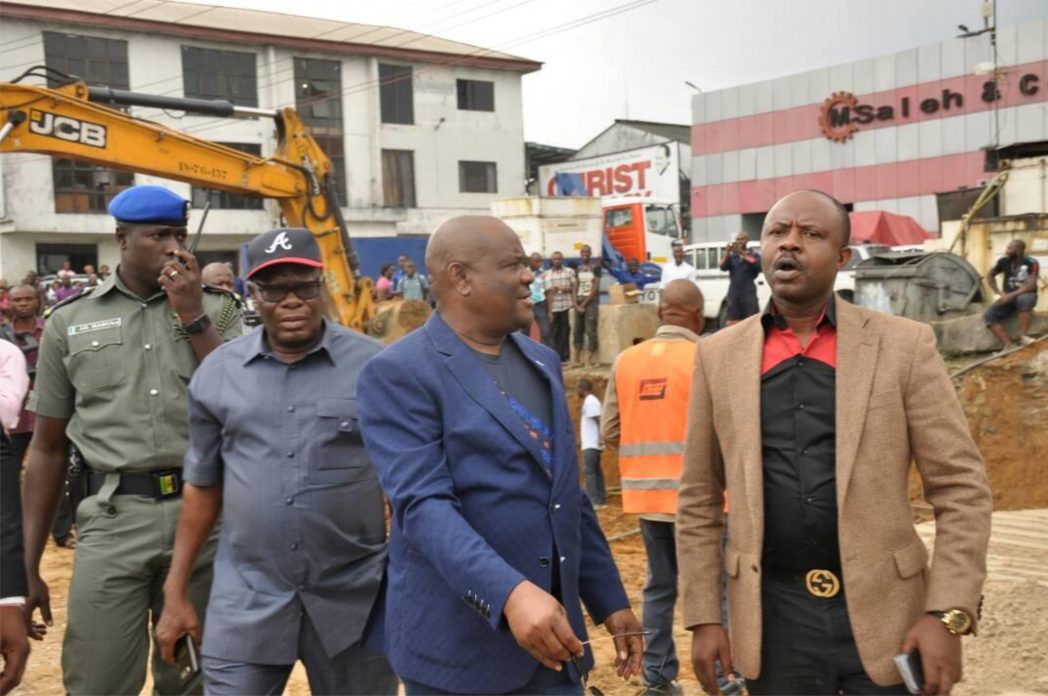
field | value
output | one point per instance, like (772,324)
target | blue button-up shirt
(303,523)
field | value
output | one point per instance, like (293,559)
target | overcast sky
(601,63)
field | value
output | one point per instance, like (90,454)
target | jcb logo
(66,128)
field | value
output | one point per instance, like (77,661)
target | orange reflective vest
(652,382)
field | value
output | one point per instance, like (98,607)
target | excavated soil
(1006,402)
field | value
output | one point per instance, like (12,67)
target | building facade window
(50,257)
(476,95)
(230,256)
(398,178)
(96,60)
(478,177)
(210,73)
(318,100)
(223,200)
(396,94)
(81,187)
(86,188)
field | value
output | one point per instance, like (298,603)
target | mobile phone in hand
(909,666)
(186,660)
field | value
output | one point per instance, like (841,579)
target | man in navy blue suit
(494,546)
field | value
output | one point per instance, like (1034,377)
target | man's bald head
(682,305)
(479,276)
(219,275)
(462,240)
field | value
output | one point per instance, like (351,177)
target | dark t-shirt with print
(1015,276)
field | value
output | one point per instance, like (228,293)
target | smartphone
(186,661)
(909,666)
(734,687)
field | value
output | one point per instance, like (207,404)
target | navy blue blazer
(474,512)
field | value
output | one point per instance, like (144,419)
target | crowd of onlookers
(55,288)
(21,323)
(401,280)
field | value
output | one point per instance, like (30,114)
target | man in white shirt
(679,269)
(589,440)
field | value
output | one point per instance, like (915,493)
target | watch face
(958,621)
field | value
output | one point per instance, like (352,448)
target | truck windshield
(660,220)
(618,217)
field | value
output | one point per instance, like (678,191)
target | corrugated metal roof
(670,131)
(327,33)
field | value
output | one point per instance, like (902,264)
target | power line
(479,53)
(553,30)
(272,81)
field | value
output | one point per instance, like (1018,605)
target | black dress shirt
(798,444)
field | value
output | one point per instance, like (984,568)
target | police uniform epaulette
(232,307)
(222,291)
(69,300)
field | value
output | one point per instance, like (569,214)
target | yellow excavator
(81,122)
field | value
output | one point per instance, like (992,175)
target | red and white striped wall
(754,143)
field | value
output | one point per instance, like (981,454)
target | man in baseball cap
(293,245)
(296,395)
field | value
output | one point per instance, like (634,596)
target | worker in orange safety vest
(645,412)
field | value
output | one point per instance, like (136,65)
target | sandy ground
(1006,402)
(1009,655)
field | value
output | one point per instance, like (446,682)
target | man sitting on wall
(1020,293)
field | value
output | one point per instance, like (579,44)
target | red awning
(879,227)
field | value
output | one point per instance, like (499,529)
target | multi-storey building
(419,128)
(910,132)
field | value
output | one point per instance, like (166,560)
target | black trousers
(807,645)
(560,334)
(12,569)
(63,525)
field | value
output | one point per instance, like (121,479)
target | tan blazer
(895,404)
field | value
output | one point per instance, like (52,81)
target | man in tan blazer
(809,415)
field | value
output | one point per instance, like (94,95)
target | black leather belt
(824,583)
(152,484)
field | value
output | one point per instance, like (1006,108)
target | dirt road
(1006,402)
(1008,656)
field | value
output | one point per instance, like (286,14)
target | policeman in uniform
(114,366)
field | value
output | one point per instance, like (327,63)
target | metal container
(918,285)
(553,223)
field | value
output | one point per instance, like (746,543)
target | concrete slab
(622,326)
(970,335)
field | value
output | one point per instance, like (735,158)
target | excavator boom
(69,122)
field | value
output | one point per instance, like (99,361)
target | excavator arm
(73,121)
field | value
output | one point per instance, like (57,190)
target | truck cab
(641,228)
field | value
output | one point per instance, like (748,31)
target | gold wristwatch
(957,621)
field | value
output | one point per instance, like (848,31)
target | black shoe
(667,688)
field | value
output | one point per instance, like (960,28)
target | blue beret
(148,204)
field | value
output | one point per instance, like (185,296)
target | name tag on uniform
(94,326)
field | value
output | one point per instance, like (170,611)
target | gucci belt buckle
(822,583)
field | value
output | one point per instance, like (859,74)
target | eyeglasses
(277,293)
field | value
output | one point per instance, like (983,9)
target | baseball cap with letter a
(286,245)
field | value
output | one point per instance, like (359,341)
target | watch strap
(945,618)
(198,325)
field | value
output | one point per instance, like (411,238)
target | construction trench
(1006,402)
